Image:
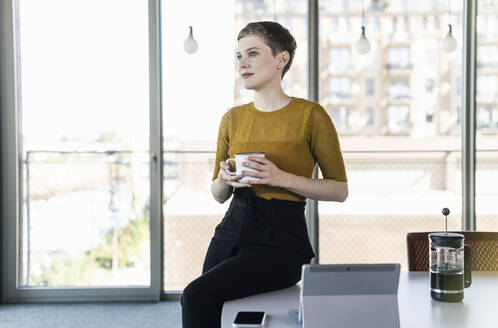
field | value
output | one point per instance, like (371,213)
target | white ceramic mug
(239,159)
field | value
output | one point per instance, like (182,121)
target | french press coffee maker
(450,266)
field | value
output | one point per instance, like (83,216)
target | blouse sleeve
(222,145)
(325,146)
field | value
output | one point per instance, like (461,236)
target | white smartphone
(249,319)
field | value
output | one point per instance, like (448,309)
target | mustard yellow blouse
(294,137)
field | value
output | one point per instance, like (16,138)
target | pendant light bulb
(190,45)
(363,45)
(448,43)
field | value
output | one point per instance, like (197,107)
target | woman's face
(256,64)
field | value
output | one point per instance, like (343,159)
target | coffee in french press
(450,267)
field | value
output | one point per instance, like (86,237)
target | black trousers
(249,254)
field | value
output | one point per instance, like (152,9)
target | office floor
(166,314)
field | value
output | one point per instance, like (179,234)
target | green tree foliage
(65,270)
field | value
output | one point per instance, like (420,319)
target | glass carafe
(450,266)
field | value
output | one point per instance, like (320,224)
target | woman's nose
(243,62)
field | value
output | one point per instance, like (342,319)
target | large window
(84,134)
(487,117)
(197,90)
(403,159)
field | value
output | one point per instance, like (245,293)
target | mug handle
(467,266)
(228,162)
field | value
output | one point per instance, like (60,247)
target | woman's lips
(246,75)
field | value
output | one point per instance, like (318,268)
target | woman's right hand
(230,179)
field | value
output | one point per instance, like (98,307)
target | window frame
(11,292)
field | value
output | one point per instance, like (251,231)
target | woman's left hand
(268,172)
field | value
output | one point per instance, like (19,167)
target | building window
(371,56)
(376,24)
(335,24)
(493,24)
(488,4)
(398,57)
(340,118)
(487,56)
(369,87)
(429,114)
(486,87)
(378,5)
(339,60)
(406,25)
(487,117)
(340,87)
(429,85)
(370,115)
(399,89)
(481,27)
(458,86)
(347,25)
(431,53)
(398,119)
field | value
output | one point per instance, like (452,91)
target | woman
(262,242)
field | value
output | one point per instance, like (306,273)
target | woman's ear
(284,58)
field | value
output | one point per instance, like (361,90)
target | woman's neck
(270,99)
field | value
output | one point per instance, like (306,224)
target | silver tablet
(350,279)
(350,295)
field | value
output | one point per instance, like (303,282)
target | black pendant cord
(362,13)
(274,10)
(449,14)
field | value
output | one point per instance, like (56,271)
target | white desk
(416,308)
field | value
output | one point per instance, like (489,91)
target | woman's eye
(251,54)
